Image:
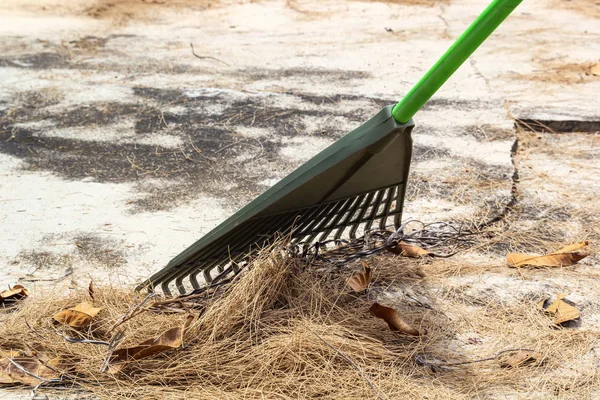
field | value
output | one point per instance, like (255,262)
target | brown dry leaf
(168,340)
(393,319)
(17,292)
(5,378)
(91,289)
(408,250)
(571,248)
(561,310)
(10,374)
(595,70)
(568,255)
(78,316)
(520,358)
(360,281)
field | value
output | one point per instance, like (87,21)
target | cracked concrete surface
(119,147)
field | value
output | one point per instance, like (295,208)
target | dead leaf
(408,250)
(393,319)
(568,255)
(540,305)
(17,292)
(10,374)
(571,248)
(561,310)
(168,340)
(91,289)
(520,358)
(360,281)
(78,316)
(595,70)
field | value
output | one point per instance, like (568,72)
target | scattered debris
(568,255)
(79,316)
(413,237)
(393,319)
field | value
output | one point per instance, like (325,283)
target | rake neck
(464,46)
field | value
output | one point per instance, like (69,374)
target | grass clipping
(281,330)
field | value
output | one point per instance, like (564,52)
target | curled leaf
(17,292)
(168,340)
(360,281)
(408,250)
(568,255)
(78,316)
(560,310)
(393,319)
(520,358)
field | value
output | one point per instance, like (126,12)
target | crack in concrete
(479,73)
(441,16)
(514,190)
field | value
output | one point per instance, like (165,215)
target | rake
(355,185)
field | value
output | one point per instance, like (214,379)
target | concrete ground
(120,145)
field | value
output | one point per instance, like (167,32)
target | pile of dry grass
(285,330)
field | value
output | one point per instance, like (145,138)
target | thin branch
(349,360)
(114,342)
(206,57)
(133,311)
(33,330)
(68,272)
(88,341)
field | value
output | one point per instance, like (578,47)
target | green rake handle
(464,46)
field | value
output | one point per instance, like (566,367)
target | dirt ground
(121,144)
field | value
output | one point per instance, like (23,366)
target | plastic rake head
(356,184)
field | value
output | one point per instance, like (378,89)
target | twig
(133,311)
(18,366)
(114,342)
(206,57)
(200,152)
(419,359)
(349,360)
(89,341)
(33,330)
(68,272)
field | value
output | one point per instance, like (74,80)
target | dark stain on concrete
(213,157)
(100,250)
(425,153)
(206,161)
(33,261)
